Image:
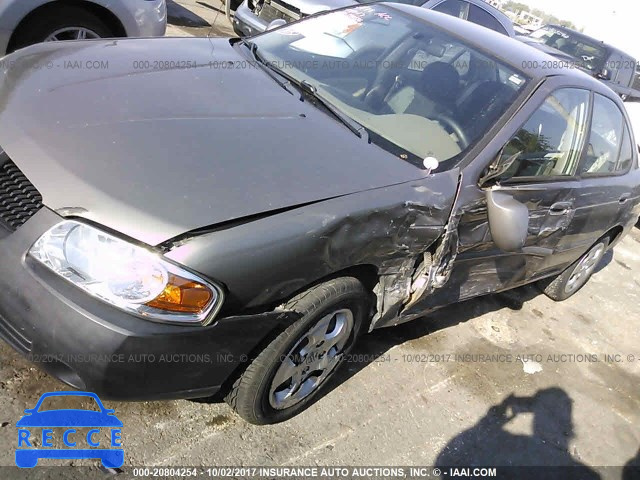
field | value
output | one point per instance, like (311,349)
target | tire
(38,29)
(567,284)
(266,392)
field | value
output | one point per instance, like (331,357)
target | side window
(626,153)
(550,143)
(605,138)
(484,18)
(455,8)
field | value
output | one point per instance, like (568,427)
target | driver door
(545,151)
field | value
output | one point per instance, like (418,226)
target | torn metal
(417,277)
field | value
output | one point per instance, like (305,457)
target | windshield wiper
(269,69)
(346,120)
(306,88)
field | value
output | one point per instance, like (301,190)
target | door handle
(560,208)
(623,199)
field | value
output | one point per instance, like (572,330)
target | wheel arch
(367,274)
(614,234)
(103,13)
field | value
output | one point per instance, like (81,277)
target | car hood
(133,135)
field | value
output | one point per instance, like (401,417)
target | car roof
(522,57)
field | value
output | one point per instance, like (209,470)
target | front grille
(19,199)
(272,10)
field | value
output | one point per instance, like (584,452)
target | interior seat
(435,92)
(481,101)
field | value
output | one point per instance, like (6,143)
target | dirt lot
(506,379)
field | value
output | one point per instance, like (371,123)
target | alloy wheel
(311,360)
(584,268)
(71,33)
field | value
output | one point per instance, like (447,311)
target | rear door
(608,179)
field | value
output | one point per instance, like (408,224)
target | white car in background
(25,22)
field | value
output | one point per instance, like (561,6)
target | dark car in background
(606,63)
(312,198)
(255,16)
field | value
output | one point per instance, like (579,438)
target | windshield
(416,90)
(590,54)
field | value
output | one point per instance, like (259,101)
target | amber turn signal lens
(182,295)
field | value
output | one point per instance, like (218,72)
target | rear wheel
(577,275)
(61,23)
(286,376)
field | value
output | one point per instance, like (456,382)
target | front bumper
(93,346)
(247,23)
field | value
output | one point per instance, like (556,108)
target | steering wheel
(454,126)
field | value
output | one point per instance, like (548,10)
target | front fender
(265,261)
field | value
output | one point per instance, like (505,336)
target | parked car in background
(320,197)
(254,16)
(25,22)
(606,63)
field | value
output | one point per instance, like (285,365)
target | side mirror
(508,220)
(278,22)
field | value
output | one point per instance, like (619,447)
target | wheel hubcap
(584,268)
(71,33)
(311,360)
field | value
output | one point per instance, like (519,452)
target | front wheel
(286,376)
(576,276)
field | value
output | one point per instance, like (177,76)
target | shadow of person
(631,470)
(490,444)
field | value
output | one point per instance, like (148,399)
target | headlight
(126,275)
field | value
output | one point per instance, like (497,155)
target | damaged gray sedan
(231,225)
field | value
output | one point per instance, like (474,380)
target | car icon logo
(69,420)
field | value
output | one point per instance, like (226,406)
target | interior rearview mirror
(508,220)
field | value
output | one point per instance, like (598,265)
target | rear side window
(607,146)
(484,18)
(455,8)
(549,144)
(626,152)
